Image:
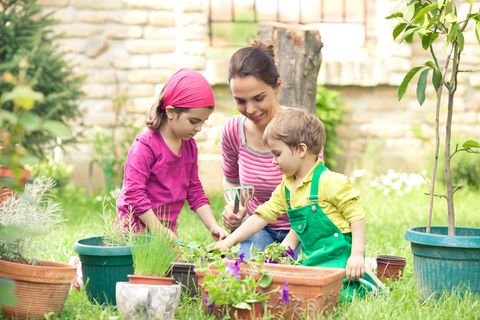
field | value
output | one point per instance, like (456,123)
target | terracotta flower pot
(151,280)
(390,267)
(39,289)
(311,290)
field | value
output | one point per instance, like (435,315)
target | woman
(255,86)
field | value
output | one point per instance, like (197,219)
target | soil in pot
(390,267)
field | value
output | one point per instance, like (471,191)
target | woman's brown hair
(257,61)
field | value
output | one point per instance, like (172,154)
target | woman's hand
(218,233)
(355,267)
(233,220)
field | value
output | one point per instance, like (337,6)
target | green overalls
(322,242)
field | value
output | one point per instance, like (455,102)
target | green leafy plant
(39,88)
(203,254)
(59,171)
(330,109)
(114,231)
(153,254)
(275,253)
(32,214)
(441,31)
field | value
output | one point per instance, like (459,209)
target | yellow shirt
(337,198)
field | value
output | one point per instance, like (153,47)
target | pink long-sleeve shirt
(158,179)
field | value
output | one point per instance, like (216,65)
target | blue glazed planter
(445,263)
(103,267)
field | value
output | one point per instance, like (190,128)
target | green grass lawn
(388,217)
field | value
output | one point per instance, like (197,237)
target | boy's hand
(218,233)
(222,245)
(355,267)
(233,220)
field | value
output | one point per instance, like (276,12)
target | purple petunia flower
(241,258)
(291,253)
(284,293)
(210,306)
(233,269)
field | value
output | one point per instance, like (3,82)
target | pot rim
(439,237)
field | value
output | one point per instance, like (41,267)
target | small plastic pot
(390,267)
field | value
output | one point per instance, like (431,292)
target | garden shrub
(330,109)
(111,145)
(466,170)
(26,36)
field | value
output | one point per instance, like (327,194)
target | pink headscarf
(187,89)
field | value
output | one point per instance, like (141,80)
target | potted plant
(150,289)
(445,258)
(153,256)
(40,286)
(296,291)
(226,292)
(38,90)
(106,259)
(292,291)
(190,255)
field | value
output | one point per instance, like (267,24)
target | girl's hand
(218,233)
(233,220)
(355,267)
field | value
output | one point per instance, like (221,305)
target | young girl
(322,206)
(161,170)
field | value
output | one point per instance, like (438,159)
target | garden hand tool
(238,196)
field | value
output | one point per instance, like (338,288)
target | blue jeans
(261,239)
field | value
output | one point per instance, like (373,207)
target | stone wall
(130,47)
(380,132)
(125,48)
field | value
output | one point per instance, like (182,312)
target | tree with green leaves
(39,90)
(441,29)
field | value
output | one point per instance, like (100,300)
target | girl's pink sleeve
(137,172)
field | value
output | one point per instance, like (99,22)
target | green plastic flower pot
(102,267)
(445,263)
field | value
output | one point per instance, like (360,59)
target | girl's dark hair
(158,114)
(256,60)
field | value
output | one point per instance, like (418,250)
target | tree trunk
(298,58)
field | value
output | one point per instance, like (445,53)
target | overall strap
(316,182)
(314,188)
(287,197)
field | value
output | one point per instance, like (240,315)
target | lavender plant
(31,213)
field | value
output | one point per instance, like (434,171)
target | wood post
(298,58)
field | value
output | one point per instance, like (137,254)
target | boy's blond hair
(293,126)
